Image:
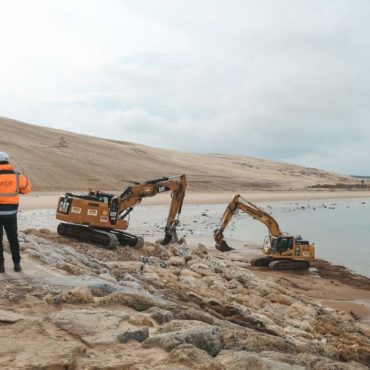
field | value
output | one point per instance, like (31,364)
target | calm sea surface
(340,229)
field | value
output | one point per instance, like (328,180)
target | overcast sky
(286,80)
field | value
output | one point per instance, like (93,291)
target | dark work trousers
(9,223)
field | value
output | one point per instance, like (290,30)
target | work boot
(2,267)
(17,267)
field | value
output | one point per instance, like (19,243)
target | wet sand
(330,291)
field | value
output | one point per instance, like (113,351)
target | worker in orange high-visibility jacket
(12,183)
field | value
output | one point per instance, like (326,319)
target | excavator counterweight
(283,252)
(101,217)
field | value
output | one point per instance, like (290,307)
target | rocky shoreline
(180,307)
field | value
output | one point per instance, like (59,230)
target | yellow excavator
(282,251)
(101,217)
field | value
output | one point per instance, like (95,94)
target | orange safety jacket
(12,183)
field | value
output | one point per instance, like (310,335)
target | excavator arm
(133,195)
(250,209)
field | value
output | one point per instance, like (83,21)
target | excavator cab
(285,252)
(282,244)
(278,245)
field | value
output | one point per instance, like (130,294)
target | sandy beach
(49,200)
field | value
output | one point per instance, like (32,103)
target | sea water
(340,229)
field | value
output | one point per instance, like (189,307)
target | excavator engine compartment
(91,209)
(292,246)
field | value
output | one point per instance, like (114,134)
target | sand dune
(56,160)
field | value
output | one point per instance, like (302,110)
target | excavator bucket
(223,246)
(167,239)
(170,237)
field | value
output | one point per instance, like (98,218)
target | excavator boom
(133,195)
(250,209)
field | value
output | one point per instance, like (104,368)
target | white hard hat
(4,157)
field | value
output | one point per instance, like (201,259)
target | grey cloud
(286,80)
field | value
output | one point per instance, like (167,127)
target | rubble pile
(178,307)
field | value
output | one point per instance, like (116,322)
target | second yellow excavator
(282,251)
(100,217)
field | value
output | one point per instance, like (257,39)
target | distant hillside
(57,160)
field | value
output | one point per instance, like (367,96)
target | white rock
(8,316)
(177,261)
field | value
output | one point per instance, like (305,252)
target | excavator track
(106,239)
(288,265)
(129,239)
(279,264)
(261,261)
